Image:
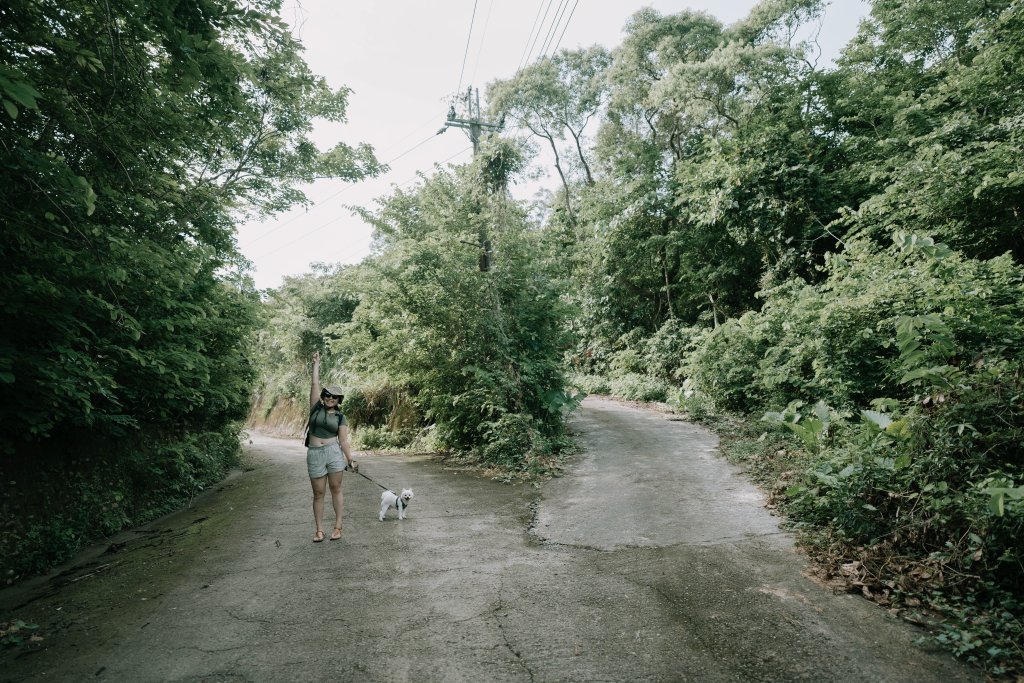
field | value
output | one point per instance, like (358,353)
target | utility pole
(473,121)
(474,124)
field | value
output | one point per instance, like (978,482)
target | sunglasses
(331,397)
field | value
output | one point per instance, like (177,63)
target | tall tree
(929,125)
(554,98)
(478,350)
(134,135)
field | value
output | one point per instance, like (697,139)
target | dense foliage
(834,251)
(133,136)
(455,340)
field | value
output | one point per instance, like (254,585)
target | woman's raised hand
(316,358)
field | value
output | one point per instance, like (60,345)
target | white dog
(390,500)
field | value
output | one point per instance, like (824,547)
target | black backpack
(317,408)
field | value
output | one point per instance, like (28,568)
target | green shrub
(690,401)
(636,387)
(591,356)
(381,405)
(513,442)
(377,438)
(104,488)
(590,384)
(724,365)
(626,361)
(926,465)
(665,351)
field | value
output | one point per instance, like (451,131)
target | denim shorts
(323,459)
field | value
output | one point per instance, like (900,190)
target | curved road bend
(653,561)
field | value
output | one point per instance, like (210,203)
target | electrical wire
(522,60)
(562,4)
(316,205)
(543,19)
(472,19)
(565,27)
(339,217)
(483,39)
(417,177)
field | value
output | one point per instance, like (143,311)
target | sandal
(319,536)
(336,534)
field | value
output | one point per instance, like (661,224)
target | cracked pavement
(654,560)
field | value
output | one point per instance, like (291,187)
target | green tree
(715,168)
(555,97)
(640,260)
(929,125)
(477,350)
(134,136)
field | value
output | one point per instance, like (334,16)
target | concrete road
(653,561)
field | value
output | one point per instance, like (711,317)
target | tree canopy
(134,136)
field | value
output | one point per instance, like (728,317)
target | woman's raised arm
(314,385)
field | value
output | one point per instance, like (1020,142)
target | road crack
(501,609)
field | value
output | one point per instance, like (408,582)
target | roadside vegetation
(449,337)
(824,263)
(821,262)
(133,137)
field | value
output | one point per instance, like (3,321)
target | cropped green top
(324,424)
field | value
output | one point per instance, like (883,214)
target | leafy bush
(724,365)
(690,401)
(381,405)
(636,387)
(591,384)
(930,468)
(379,438)
(590,356)
(626,361)
(514,443)
(664,352)
(102,489)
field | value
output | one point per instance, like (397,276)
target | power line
(540,28)
(562,4)
(459,153)
(522,60)
(565,27)
(483,37)
(418,144)
(466,54)
(414,132)
(344,188)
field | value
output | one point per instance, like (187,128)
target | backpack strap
(309,420)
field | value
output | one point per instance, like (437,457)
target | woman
(328,440)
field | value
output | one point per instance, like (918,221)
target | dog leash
(368,479)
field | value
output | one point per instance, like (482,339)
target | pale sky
(403,60)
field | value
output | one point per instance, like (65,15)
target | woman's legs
(337,500)
(319,489)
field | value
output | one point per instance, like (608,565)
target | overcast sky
(403,60)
